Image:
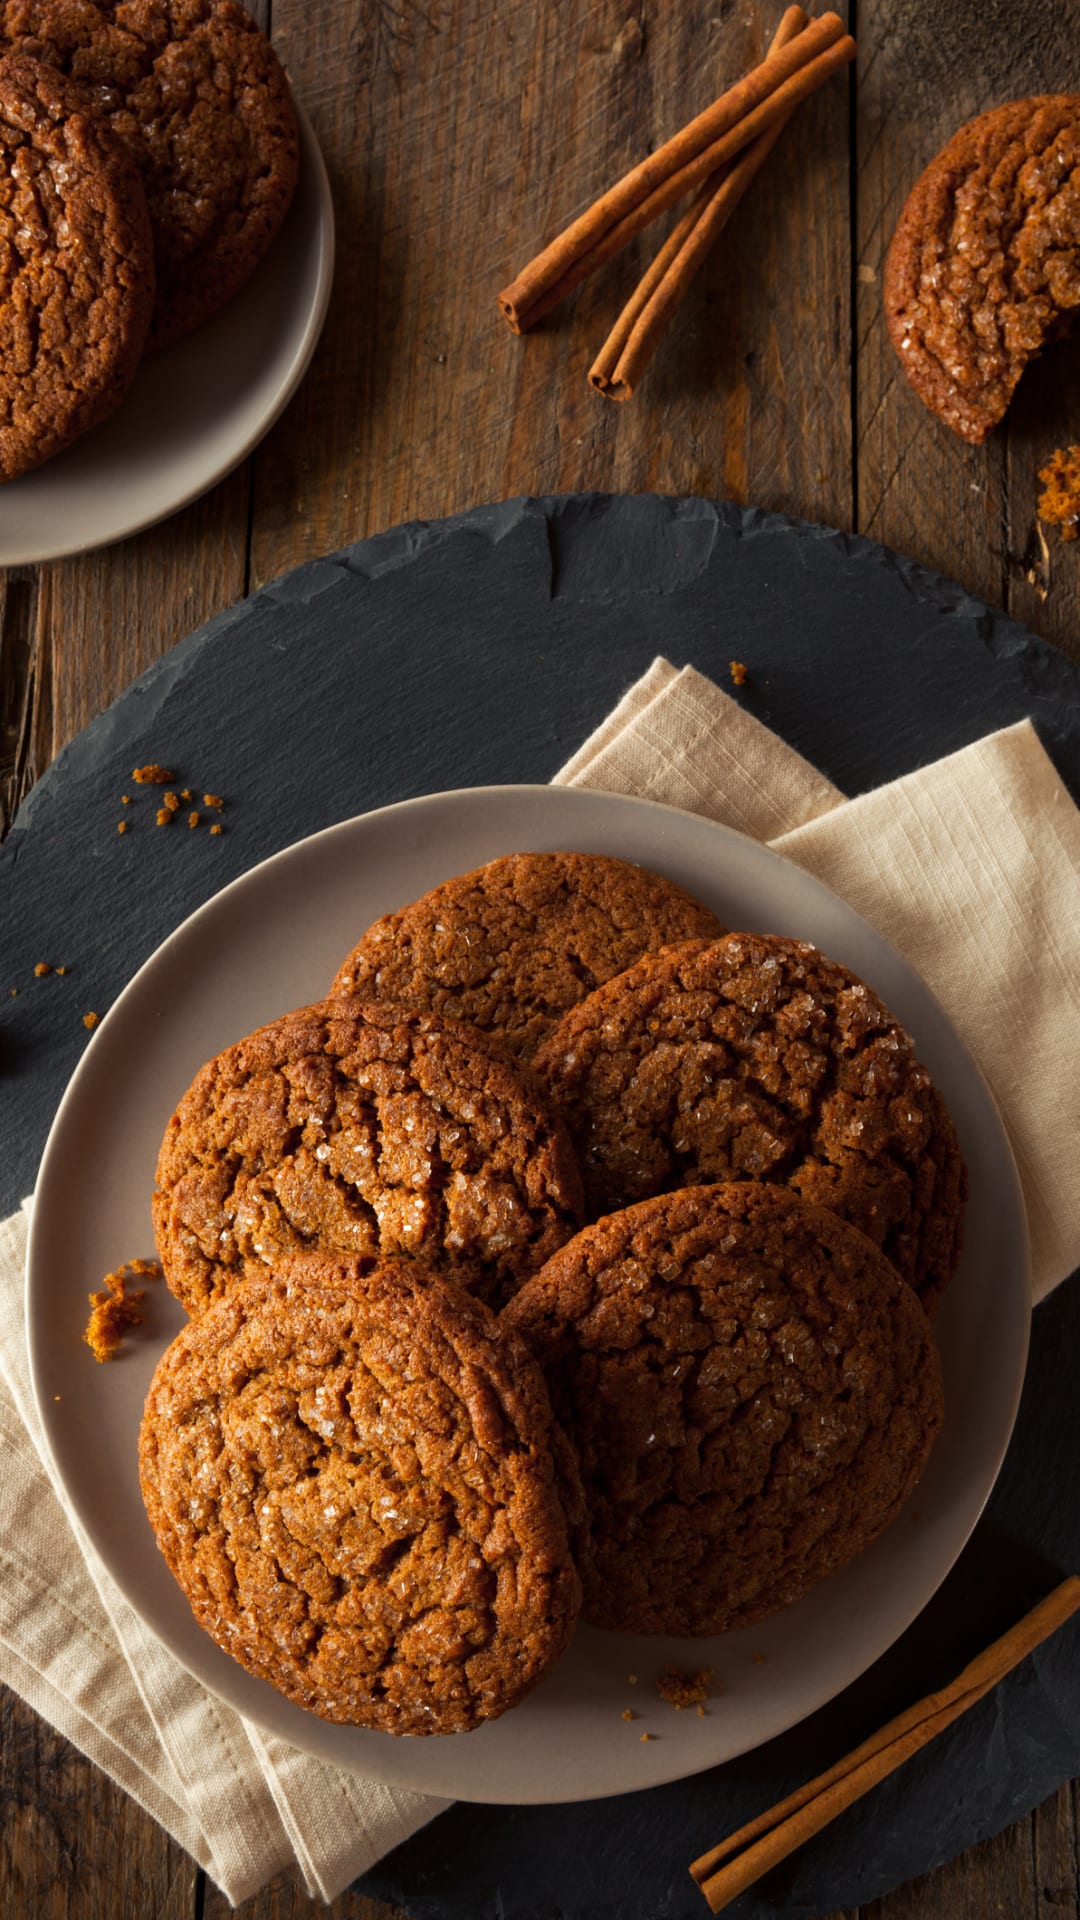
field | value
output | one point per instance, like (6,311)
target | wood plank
(72,1845)
(457,141)
(966,511)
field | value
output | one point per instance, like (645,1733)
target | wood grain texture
(967,511)
(459,137)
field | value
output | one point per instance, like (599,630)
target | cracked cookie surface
(513,945)
(76,267)
(752,1392)
(984,267)
(349,1473)
(196,93)
(756,1058)
(356,1128)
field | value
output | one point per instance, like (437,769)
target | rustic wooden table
(455,132)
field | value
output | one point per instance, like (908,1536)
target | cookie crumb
(121,826)
(117,1308)
(152,775)
(14,993)
(684,1686)
(1059,502)
(632,1679)
(125,799)
(163,816)
(648,1736)
(215,829)
(185,793)
(193,819)
(702,1712)
(738,672)
(759,1659)
(628,1713)
(213,800)
(60,969)
(42,969)
(172,801)
(90,1019)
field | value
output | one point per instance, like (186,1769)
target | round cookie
(362,1129)
(984,266)
(755,1058)
(514,945)
(350,1474)
(197,94)
(752,1392)
(76,267)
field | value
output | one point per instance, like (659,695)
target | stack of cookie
(148,155)
(569,1254)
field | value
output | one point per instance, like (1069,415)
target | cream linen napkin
(971,866)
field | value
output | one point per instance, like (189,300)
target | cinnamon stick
(747,109)
(637,332)
(728,1869)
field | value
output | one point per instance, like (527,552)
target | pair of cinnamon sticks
(718,155)
(728,1869)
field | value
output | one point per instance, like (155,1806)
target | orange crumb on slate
(152,775)
(121,826)
(125,799)
(163,816)
(193,819)
(116,1307)
(684,1686)
(738,673)
(212,800)
(90,1019)
(172,801)
(42,969)
(185,793)
(1059,503)
(215,829)
(60,969)
(14,993)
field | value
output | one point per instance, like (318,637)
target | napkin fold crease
(970,866)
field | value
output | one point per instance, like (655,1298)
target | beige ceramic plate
(195,411)
(273,940)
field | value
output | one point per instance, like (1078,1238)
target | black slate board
(481,650)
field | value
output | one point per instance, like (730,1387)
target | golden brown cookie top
(349,1473)
(756,1058)
(76,266)
(984,266)
(752,1392)
(197,94)
(513,945)
(373,1130)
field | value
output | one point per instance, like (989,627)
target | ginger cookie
(984,266)
(752,1392)
(76,267)
(756,1058)
(373,1130)
(197,94)
(350,1474)
(514,945)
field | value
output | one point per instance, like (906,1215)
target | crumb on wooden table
(1059,502)
(152,775)
(117,1307)
(90,1019)
(684,1686)
(738,672)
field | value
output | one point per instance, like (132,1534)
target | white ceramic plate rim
(315,258)
(564,1742)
